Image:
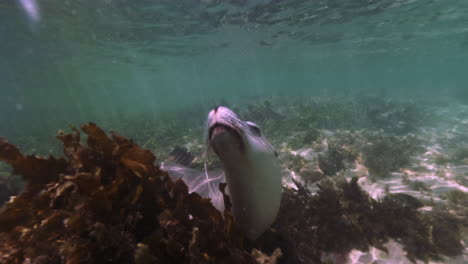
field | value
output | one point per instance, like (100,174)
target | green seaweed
(458,197)
(395,116)
(442,159)
(386,153)
(335,158)
(302,140)
(460,156)
(342,217)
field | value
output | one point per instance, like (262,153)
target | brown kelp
(107,202)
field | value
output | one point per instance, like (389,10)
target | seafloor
(366,180)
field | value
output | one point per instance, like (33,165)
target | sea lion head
(230,137)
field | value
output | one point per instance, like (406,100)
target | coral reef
(108,203)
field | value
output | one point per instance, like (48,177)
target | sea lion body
(251,169)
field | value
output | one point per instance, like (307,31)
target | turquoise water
(311,73)
(82,60)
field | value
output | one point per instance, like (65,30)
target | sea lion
(251,169)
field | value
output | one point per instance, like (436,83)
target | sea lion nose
(221,108)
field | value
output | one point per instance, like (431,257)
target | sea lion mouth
(223,136)
(222,128)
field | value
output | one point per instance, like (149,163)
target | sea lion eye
(254,128)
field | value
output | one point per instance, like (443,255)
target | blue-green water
(331,69)
(85,60)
